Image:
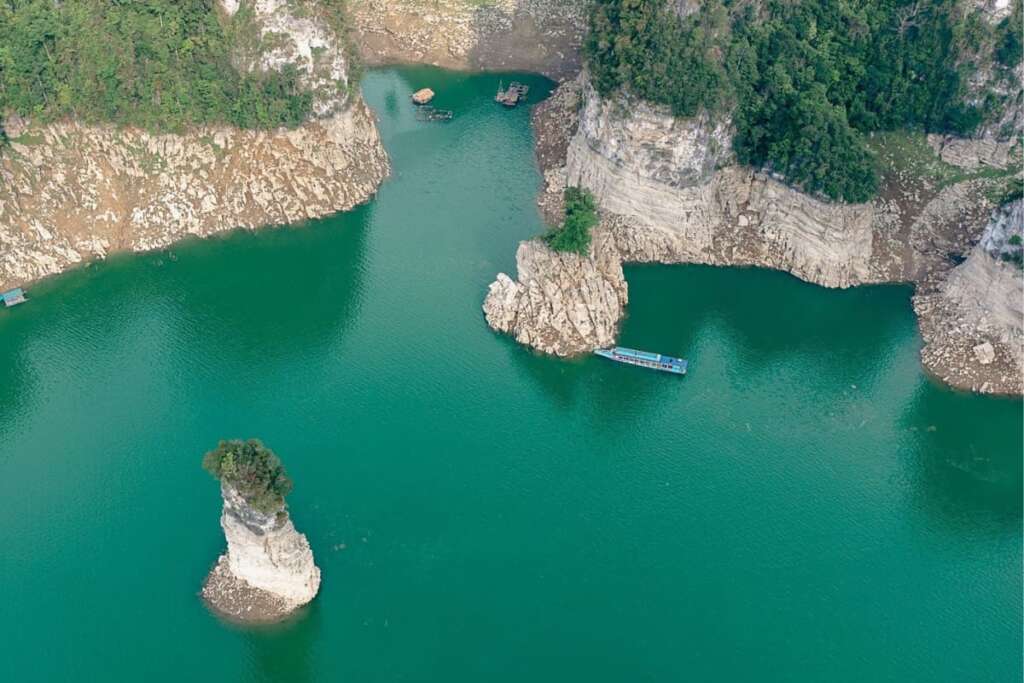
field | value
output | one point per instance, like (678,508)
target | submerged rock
(268,570)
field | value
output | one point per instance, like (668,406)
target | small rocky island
(268,570)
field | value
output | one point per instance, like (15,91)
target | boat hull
(645,359)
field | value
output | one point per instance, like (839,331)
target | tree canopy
(159,64)
(580,217)
(805,80)
(253,470)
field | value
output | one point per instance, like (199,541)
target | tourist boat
(645,359)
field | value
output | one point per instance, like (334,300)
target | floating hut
(515,94)
(13,297)
(422,96)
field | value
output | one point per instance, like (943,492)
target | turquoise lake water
(805,505)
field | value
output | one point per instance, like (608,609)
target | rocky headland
(671,192)
(71,192)
(268,570)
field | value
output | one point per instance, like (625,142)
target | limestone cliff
(531,35)
(70,193)
(267,571)
(973,322)
(669,192)
(563,304)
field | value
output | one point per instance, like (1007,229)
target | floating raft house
(13,297)
(429,113)
(515,94)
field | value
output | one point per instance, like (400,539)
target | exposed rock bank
(669,194)
(530,35)
(563,303)
(70,193)
(973,321)
(268,570)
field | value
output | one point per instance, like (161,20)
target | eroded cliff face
(973,321)
(70,193)
(530,35)
(268,569)
(300,36)
(669,193)
(562,303)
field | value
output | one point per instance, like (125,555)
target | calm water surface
(805,505)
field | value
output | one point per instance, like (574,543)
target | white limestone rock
(563,303)
(985,353)
(668,193)
(268,570)
(303,39)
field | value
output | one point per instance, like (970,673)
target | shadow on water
(283,653)
(960,460)
(288,290)
(772,314)
(16,376)
(769,318)
(559,378)
(742,323)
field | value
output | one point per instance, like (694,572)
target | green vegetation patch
(1010,190)
(909,152)
(580,217)
(253,470)
(162,65)
(805,80)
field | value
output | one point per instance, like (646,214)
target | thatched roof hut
(422,96)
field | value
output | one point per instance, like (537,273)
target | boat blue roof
(646,355)
(12,293)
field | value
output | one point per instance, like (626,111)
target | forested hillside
(159,64)
(806,80)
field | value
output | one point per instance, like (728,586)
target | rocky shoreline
(668,188)
(670,194)
(70,193)
(510,35)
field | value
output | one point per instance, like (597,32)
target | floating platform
(645,359)
(13,297)
(428,113)
(512,96)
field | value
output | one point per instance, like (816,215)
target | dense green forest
(805,80)
(157,64)
(253,470)
(580,217)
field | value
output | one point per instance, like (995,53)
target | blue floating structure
(644,359)
(13,297)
